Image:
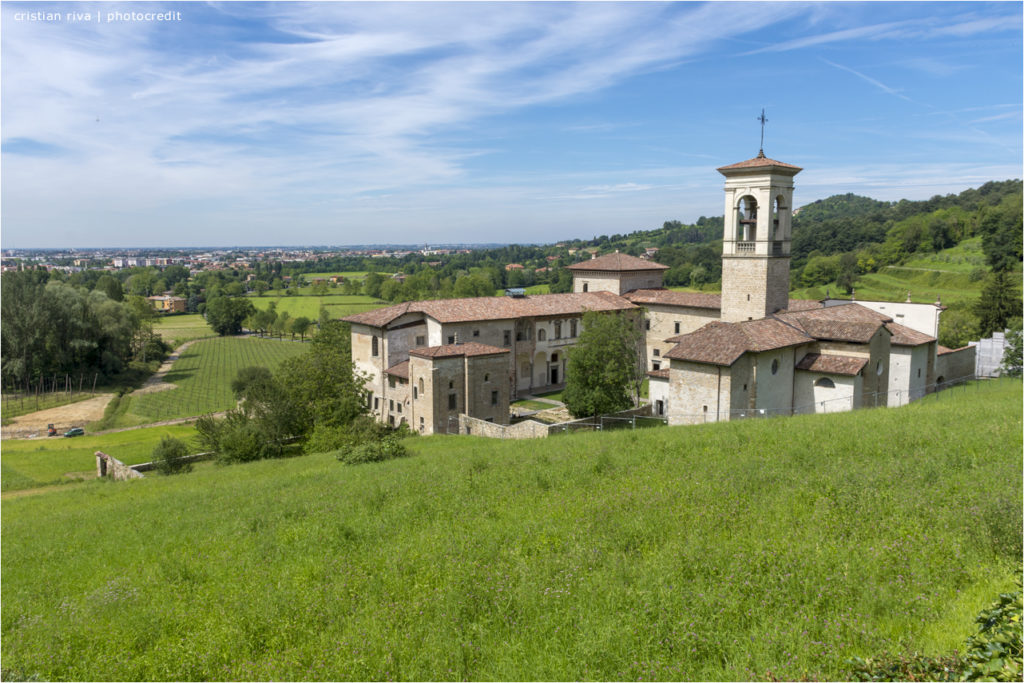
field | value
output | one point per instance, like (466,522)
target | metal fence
(38,393)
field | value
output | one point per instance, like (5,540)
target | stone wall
(109,466)
(528,429)
(955,366)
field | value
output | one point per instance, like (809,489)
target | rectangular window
(391,405)
(375,346)
(398,408)
(494,398)
(508,338)
(657,352)
(677,328)
(451,338)
(391,420)
(558,330)
(572,328)
(391,382)
(415,393)
(476,333)
(656,365)
(452,401)
(647,324)
(421,340)
(376,403)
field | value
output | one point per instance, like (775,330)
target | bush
(168,456)
(236,438)
(386,448)
(326,438)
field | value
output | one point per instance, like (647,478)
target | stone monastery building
(748,351)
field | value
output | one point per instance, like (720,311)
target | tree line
(53,326)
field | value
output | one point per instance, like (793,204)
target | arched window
(375,346)
(542,335)
(825,382)
(421,385)
(746,219)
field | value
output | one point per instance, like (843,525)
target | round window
(775,366)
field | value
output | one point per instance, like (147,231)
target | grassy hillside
(752,550)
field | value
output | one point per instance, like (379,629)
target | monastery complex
(710,357)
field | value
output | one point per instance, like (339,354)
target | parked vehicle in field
(51,430)
(75,431)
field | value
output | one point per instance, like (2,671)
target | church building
(749,351)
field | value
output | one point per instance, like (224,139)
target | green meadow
(338,305)
(178,329)
(755,550)
(29,463)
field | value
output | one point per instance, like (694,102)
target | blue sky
(350,123)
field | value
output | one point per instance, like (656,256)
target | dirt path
(79,414)
(62,417)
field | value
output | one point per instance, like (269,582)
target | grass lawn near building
(180,328)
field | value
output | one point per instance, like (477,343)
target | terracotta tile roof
(455,350)
(760,161)
(380,317)
(943,350)
(721,343)
(615,262)
(673,298)
(904,336)
(399,370)
(803,305)
(832,365)
(847,322)
(658,374)
(496,308)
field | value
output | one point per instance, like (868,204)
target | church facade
(749,351)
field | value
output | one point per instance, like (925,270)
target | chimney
(593,255)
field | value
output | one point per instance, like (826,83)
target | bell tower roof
(760,163)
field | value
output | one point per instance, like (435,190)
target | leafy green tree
(168,456)
(225,315)
(999,302)
(110,286)
(957,326)
(1013,356)
(300,326)
(261,287)
(372,284)
(605,366)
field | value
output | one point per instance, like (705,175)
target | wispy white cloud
(875,82)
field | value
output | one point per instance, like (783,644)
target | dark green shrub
(168,456)
(236,438)
(385,448)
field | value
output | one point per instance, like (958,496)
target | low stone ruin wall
(109,466)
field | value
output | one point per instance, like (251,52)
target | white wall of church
(775,381)
(812,392)
(698,393)
(908,373)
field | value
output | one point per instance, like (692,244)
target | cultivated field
(202,376)
(762,549)
(178,329)
(338,305)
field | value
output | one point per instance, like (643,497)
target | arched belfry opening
(746,219)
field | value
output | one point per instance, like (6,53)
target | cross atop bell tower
(758,231)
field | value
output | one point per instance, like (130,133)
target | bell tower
(756,243)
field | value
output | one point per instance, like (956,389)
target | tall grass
(749,550)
